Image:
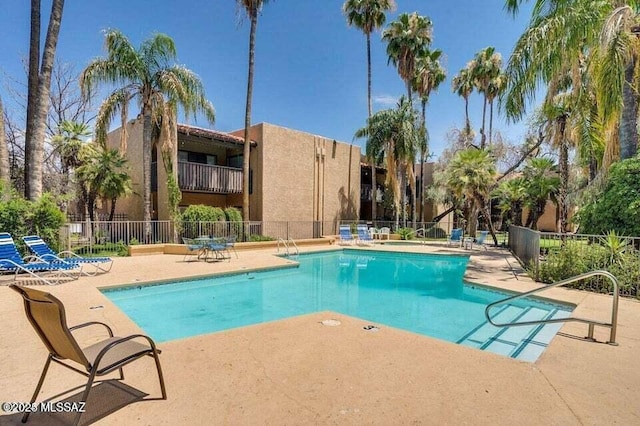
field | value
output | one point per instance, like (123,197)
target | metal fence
(427,229)
(583,253)
(525,245)
(92,237)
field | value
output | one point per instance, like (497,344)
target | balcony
(207,178)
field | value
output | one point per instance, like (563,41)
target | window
(197,157)
(234,161)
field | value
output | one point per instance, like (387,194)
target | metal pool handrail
(613,325)
(285,243)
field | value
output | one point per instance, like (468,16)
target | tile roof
(212,134)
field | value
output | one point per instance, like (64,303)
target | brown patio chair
(46,315)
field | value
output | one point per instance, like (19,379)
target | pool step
(521,342)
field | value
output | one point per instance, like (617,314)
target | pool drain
(330,322)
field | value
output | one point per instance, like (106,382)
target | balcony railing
(207,178)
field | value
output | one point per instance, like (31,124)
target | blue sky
(310,67)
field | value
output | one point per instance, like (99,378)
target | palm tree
(462,85)
(542,185)
(5,170)
(470,176)
(252,9)
(68,145)
(392,138)
(602,35)
(510,195)
(39,85)
(494,89)
(485,68)
(102,174)
(406,38)
(429,75)
(558,111)
(148,74)
(368,15)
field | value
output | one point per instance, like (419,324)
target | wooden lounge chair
(47,316)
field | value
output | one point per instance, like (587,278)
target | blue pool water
(417,292)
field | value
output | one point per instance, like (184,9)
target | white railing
(208,178)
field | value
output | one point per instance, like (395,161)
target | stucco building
(294,176)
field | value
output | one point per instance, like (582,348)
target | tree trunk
(32,92)
(423,152)
(247,118)
(414,207)
(5,171)
(564,177)
(490,121)
(112,213)
(374,185)
(629,118)
(487,217)
(146,168)
(467,124)
(483,136)
(42,101)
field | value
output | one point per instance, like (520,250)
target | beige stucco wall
(131,205)
(299,176)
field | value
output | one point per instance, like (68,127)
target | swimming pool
(421,293)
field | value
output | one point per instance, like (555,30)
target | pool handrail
(285,243)
(613,325)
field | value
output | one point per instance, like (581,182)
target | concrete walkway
(298,371)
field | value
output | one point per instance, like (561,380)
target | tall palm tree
(558,111)
(252,8)
(368,15)
(485,68)
(494,89)
(561,32)
(429,75)
(470,176)
(39,86)
(148,74)
(5,170)
(462,85)
(406,38)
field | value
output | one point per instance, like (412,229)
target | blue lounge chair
(345,235)
(42,250)
(11,261)
(456,236)
(364,237)
(481,239)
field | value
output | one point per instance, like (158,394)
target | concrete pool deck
(297,371)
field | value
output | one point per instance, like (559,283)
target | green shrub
(406,233)
(234,217)
(21,217)
(618,206)
(200,213)
(576,258)
(233,214)
(258,237)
